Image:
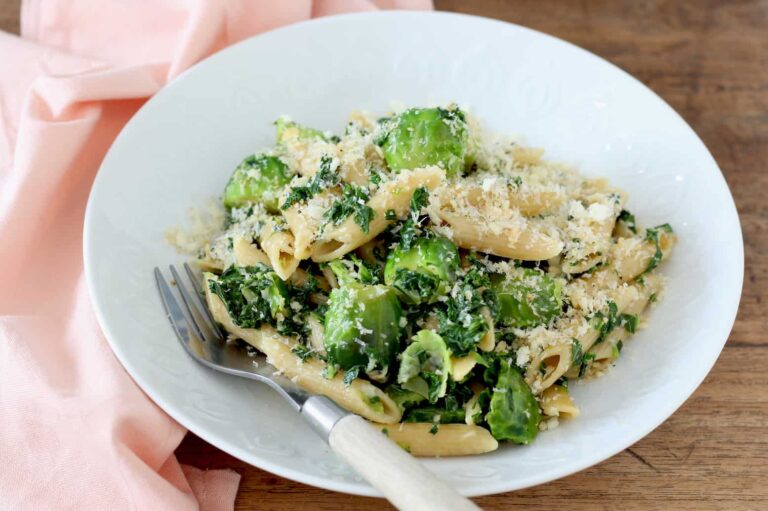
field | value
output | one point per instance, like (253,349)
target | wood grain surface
(709,60)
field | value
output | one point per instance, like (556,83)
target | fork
(403,480)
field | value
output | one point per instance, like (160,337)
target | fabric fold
(75,430)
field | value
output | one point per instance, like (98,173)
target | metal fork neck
(322,414)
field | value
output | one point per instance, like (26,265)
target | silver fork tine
(172,308)
(200,293)
(186,297)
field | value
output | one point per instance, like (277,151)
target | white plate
(181,147)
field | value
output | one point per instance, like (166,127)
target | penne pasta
(557,402)
(515,239)
(278,244)
(528,201)
(425,439)
(247,254)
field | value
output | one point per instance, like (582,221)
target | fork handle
(403,480)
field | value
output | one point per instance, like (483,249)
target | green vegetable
(257,179)
(404,398)
(425,366)
(326,177)
(411,228)
(420,137)
(460,318)
(653,234)
(362,327)
(283,124)
(425,271)
(449,409)
(353,202)
(514,412)
(628,219)
(576,353)
(436,415)
(253,295)
(586,361)
(352,269)
(529,299)
(608,322)
(303,352)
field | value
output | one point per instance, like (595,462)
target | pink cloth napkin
(75,431)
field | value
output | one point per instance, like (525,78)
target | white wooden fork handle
(403,480)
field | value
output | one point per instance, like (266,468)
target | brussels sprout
(419,137)
(362,328)
(528,299)
(253,295)
(286,129)
(424,272)
(425,366)
(257,179)
(514,412)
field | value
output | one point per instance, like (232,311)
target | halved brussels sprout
(425,366)
(362,328)
(528,299)
(514,412)
(420,137)
(258,179)
(425,271)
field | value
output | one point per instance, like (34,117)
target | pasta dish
(444,283)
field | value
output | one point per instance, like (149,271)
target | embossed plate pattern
(179,150)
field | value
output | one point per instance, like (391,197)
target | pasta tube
(426,439)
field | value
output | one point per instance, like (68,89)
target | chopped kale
(351,373)
(576,353)
(653,234)
(325,178)
(628,219)
(353,202)
(303,352)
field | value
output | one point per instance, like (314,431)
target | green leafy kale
(302,351)
(576,353)
(607,323)
(325,178)
(460,321)
(653,234)
(353,202)
(411,228)
(628,219)
(416,283)
(447,410)
(350,374)
(253,295)
(586,360)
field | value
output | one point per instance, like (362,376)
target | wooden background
(709,60)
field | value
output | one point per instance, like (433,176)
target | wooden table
(709,60)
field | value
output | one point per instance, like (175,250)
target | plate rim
(363,489)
